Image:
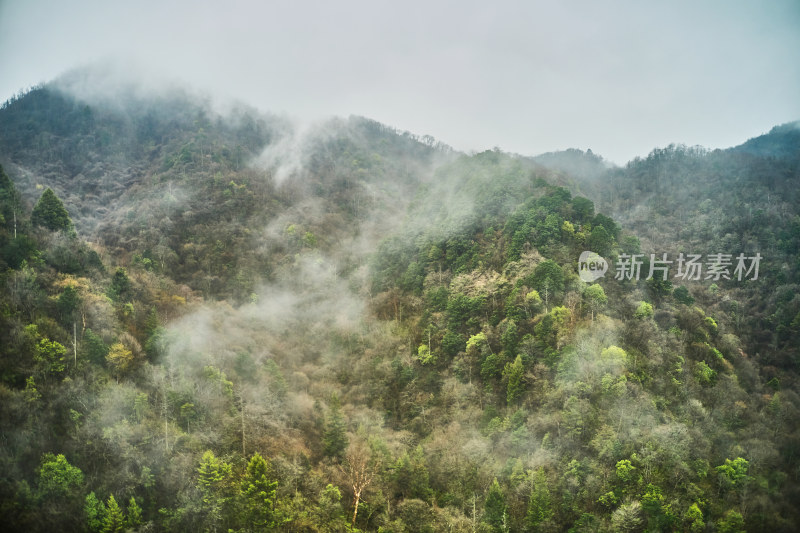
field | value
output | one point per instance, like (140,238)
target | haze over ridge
(618,77)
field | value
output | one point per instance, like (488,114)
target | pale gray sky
(619,77)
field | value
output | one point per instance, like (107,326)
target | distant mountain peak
(781,141)
(576,162)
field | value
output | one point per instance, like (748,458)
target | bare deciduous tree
(359,469)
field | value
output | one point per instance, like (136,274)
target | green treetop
(334,437)
(539,506)
(595,297)
(134,518)
(258,489)
(114,521)
(57,477)
(515,373)
(95,512)
(50,212)
(495,507)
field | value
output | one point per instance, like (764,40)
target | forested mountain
(221,320)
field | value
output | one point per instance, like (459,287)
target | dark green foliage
(18,251)
(608,224)
(492,366)
(334,437)
(510,337)
(732,522)
(95,348)
(539,502)
(556,199)
(658,287)
(120,286)
(410,476)
(416,515)
(515,376)
(600,241)
(539,223)
(95,513)
(460,308)
(548,329)
(548,279)
(68,303)
(49,212)
(392,255)
(258,490)
(514,305)
(412,278)
(69,255)
(329,509)
(658,510)
(452,343)
(630,245)
(583,209)
(10,206)
(681,295)
(152,323)
(495,511)
(437,298)
(586,523)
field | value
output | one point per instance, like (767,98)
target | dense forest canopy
(218,321)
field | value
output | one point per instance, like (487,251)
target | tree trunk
(356,500)
(243,449)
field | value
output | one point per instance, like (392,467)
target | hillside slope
(251,325)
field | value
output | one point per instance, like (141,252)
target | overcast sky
(619,77)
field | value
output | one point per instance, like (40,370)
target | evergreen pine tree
(213,476)
(95,348)
(539,503)
(212,472)
(258,490)
(134,514)
(50,213)
(115,520)
(411,476)
(68,303)
(120,285)
(334,438)
(515,374)
(95,513)
(495,507)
